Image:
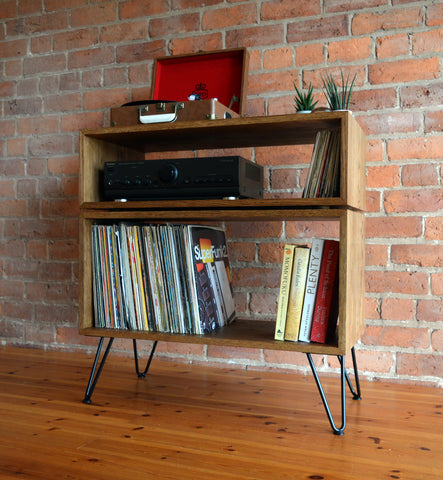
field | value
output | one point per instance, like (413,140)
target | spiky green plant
(304,100)
(338,96)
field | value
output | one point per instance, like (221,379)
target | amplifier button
(168,173)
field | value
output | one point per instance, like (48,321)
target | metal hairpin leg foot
(145,371)
(94,372)
(344,378)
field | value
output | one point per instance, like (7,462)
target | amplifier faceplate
(182,178)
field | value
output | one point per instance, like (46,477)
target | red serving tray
(220,74)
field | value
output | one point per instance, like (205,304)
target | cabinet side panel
(352,269)
(353,176)
(85,303)
(93,154)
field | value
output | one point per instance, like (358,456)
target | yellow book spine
(297,292)
(283,297)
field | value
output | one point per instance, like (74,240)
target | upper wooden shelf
(131,143)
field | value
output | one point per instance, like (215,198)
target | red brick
(393,227)
(220,18)
(26,106)
(376,254)
(421,96)
(437,284)
(281,9)
(38,24)
(79,121)
(41,45)
(36,249)
(374,150)
(62,208)
(299,231)
(420,255)
(402,201)
(181,23)
(11,289)
(286,178)
(349,50)
(422,148)
(13,208)
(186,349)
(434,122)
(370,361)
(26,188)
(383,176)
(51,145)
(372,309)
(419,175)
(425,42)
(390,123)
(390,19)
(434,15)
(257,277)
(54,5)
(13,48)
(255,36)
(434,228)
(94,100)
(81,38)
(419,365)
(277,357)
(261,83)
(411,283)
(348,5)
(396,337)
(44,64)
(281,105)
(9,9)
(184,4)
(241,251)
(404,70)
(437,340)
(231,353)
(16,147)
(263,303)
(135,8)
(277,58)
(429,310)
(92,57)
(392,45)
(270,252)
(62,103)
(310,54)
(397,309)
(93,15)
(24,311)
(12,248)
(254,230)
(204,43)
(305,30)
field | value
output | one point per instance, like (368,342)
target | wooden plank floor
(192,422)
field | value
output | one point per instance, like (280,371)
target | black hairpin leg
(94,372)
(145,371)
(344,378)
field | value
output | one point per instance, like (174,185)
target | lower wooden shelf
(242,333)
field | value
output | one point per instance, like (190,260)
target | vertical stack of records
(165,278)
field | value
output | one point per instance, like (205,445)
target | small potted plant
(304,101)
(338,96)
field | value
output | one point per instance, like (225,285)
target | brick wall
(63,63)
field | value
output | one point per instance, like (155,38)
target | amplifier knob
(168,173)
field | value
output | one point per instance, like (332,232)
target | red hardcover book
(325,311)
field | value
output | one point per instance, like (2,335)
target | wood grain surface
(197,422)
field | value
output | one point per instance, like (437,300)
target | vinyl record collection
(165,278)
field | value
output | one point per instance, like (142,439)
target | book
(325,311)
(311,289)
(283,297)
(297,292)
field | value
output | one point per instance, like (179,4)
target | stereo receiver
(183,178)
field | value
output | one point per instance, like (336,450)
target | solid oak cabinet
(132,143)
